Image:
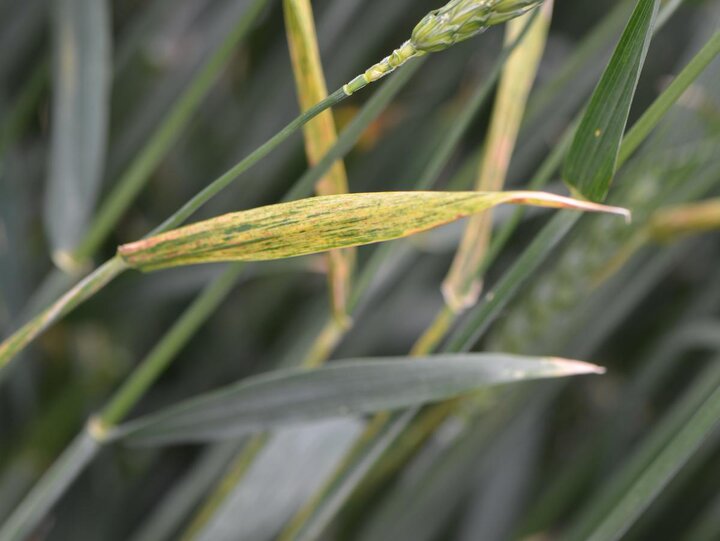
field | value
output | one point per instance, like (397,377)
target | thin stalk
(436,332)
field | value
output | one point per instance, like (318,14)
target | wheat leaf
(318,224)
(343,388)
(593,156)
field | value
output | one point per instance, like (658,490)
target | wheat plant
(237,306)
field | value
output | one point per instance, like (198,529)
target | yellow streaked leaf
(324,223)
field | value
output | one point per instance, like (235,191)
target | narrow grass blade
(593,156)
(320,135)
(323,223)
(343,388)
(81,102)
(461,286)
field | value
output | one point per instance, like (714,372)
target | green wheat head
(459,20)
(456,21)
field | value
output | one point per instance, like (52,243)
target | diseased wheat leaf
(323,223)
(340,389)
(593,156)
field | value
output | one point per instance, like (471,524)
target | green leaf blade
(341,389)
(593,155)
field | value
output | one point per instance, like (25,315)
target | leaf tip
(621,211)
(571,367)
